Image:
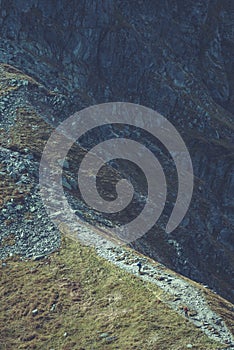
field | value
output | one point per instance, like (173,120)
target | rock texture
(175,57)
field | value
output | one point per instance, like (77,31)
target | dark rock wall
(173,56)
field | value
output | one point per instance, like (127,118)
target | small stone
(35,312)
(38,257)
(104,335)
(198,324)
(24,82)
(111,339)
(53,307)
(161,278)
(177,298)
(19,207)
(189,346)
(65,334)
(218,322)
(66,184)
(30,157)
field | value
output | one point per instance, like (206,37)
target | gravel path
(39,236)
(181,292)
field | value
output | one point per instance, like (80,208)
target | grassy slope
(92,297)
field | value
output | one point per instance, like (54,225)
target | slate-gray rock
(175,57)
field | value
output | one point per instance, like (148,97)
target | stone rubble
(181,291)
(175,59)
(37,236)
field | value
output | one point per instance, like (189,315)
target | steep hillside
(74,299)
(175,57)
(58,57)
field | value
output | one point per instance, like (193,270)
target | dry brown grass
(29,131)
(9,191)
(223,308)
(75,291)
(90,297)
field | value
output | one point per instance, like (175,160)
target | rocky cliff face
(175,57)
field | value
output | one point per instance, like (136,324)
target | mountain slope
(175,57)
(74,299)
